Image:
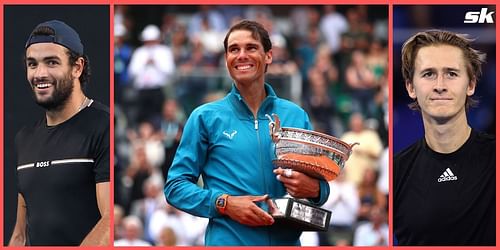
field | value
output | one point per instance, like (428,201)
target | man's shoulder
(210,111)
(284,103)
(99,110)
(99,107)
(408,153)
(483,147)
(30,129)
(485,138)
(214,106)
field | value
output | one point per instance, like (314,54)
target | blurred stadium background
(331,60)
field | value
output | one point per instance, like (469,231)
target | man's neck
(253,94)
(447,137)
(75,103)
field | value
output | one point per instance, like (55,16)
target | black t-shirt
(446,199)
(57,170)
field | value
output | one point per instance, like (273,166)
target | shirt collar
(241,108)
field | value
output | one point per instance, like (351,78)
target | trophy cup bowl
(316,154)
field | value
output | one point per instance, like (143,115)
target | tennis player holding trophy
(227,143)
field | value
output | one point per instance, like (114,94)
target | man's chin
(442,117)
(49,105)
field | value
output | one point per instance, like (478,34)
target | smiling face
(440,83)
(50,75)
(246,59)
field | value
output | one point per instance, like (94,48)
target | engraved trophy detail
(316,154)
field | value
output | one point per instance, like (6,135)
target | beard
(62,91)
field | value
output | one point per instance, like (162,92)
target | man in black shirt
(444,184)
(63,160)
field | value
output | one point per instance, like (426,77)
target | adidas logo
(447,176)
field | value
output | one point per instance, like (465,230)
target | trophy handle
(274,127)
(350,148)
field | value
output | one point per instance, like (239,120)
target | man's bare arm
(18,237)
(99,235)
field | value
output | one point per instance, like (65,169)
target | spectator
(118,222)
(306,51)
(150,69)
(188,229)
(282,63)
(375,232)
(358,35)
(383,177)
(366,154)
(153,200)
(325,65)
(148,137)
(344,203)
(377,59)
(319,103)
(333,25)
(180,45)
(133,231)
(122,55)
(168,27)
(167,237)
(369,195)
(362,84)
(206,16)
(170,130)
(309,239)
(147,157)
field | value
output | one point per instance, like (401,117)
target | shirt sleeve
(101,159)
(181,190)
(324,192)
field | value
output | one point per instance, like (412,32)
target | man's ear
(269,57)
(411,90)
(471,88)
(78,66)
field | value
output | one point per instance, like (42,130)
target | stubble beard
(60,95)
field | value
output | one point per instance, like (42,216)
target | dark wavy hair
(258,32)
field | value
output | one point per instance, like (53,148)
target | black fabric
(60,195)
(431,210)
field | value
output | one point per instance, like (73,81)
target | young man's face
(245,57)
(49,74)
(440,82)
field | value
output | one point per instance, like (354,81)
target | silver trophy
(316,154)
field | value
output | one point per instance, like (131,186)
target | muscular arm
(99,235)
(19,235)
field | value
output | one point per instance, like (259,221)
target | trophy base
(300,215)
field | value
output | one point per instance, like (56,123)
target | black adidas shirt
(446,199)
(58,168)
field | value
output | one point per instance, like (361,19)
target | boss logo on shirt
(42,164)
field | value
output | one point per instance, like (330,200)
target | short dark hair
(72,56)
(258,32)
(473,58)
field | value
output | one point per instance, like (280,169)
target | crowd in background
(331,60)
